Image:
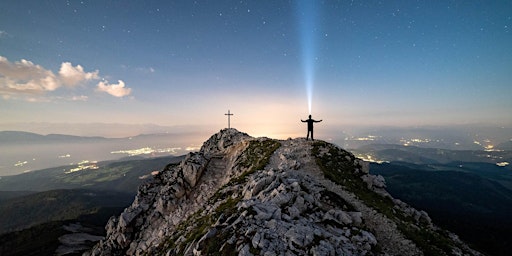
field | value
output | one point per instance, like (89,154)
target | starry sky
(186,63)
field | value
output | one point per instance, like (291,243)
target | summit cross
(229,114)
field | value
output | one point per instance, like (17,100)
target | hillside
(247,196)
(61,237)
(37,219)
(123,176)
(56,205)
(472,200)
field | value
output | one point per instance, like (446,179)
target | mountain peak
(254,196)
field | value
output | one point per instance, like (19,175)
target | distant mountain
(108,130)
(124,176)
(11,137)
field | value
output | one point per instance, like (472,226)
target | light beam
(307,21)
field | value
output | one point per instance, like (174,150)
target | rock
(323,248)
(127,216)
(357,217)
(280,198)
(211,202)
(264,212)
(338,216)
(374,181)
(293,212)
(192,168)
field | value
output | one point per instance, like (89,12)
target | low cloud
(116,90)
(24,79)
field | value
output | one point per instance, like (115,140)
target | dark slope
(470,203)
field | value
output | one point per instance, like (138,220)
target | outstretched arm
(317,121)
(303,121)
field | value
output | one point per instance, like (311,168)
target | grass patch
(338,166)
(255,157)
(196,227)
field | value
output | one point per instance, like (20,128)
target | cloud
(24,79)
(145,70)
(3,34)
(79,98)
(22,70)
(116,90)
(72,76)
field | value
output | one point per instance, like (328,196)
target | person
(310,126)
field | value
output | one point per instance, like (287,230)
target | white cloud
(116,90)
(3,34)
(72,76)
(26,80)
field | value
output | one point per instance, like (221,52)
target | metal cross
(229,118)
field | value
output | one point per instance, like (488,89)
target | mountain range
(8,137)
(211,187)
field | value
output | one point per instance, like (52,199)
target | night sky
(398,63)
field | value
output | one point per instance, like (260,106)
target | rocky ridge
(241,195)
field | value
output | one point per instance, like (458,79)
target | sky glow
(185,63)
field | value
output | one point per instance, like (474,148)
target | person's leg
(307,136)
(312,135)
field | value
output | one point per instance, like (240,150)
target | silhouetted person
(310,126)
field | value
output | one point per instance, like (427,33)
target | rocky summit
(241,195)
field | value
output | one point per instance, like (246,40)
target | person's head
(309,116)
